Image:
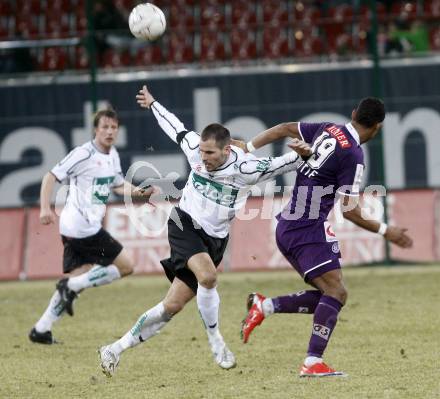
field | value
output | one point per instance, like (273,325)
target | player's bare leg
(208,302)
(148,325)
(93,276)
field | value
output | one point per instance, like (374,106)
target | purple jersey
(336,165)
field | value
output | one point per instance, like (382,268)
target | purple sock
(324,322)
(300,302)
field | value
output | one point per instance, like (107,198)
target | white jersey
(91,174)
(212,198)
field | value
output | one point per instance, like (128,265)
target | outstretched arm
(394,234)
(283,130)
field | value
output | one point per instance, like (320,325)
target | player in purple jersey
(303,235)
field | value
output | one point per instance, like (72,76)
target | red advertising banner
(30,250)
(44,250)
(12,222)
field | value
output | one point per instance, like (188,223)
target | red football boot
(320,370)
(254,317)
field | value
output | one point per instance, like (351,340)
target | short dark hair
(370,111)
(109,113)
(218,133)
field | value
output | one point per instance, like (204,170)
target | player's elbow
(290,129)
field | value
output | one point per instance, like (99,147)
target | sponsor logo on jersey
(101,189)
(321,331)
(219,193)
(339,135)
(263,165)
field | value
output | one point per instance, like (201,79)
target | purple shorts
(311,250)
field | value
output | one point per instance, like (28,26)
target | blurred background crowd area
(211,33)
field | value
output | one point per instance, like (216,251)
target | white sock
(311,360)
(208,302)
(96,276)
(53,313)
(148,325)
(267,306)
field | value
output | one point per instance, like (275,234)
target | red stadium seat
(54,59)
(80,22)
(307,44)
(306,13)
(212,46)
(180,48)
(57,26)
(434,39)
(275,10)
(5,8)
(28,7)
(181,17)
(115,59)
(26,27)
(212,14)
(275,43)
(149,55)
(243,14)
(404,10)
(243,45)
(432,8)
(342,14)
(81,58)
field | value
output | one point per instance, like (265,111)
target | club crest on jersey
(339,135)
(219,193)
(101,189)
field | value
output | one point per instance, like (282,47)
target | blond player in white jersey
(218,186)
(92,257)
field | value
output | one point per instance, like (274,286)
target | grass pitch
(387,340)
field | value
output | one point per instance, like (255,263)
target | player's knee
(208,279)
(126,269)
(173,307)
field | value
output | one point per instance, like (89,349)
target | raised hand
(144,98)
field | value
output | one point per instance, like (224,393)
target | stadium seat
(181,17)
(28,7)
(307,45)
(212,14)
(81,60)
(274,10)
(115,59)
(404,10)
(243,45)
(306,14)
(180,48)
(57,26)
(275,43)
(243,14)
(5,8)
(149,55)
(212,47)
(434,39)
(54,59)
(432,9)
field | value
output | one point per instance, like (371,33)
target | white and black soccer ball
(147,21)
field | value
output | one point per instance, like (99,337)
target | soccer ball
(147,21)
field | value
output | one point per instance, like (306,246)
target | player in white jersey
(92,257)
(218,186)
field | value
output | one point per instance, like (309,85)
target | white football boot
(109,360)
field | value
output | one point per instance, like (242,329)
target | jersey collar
(353,132)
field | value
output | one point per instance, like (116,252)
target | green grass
(387,340)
